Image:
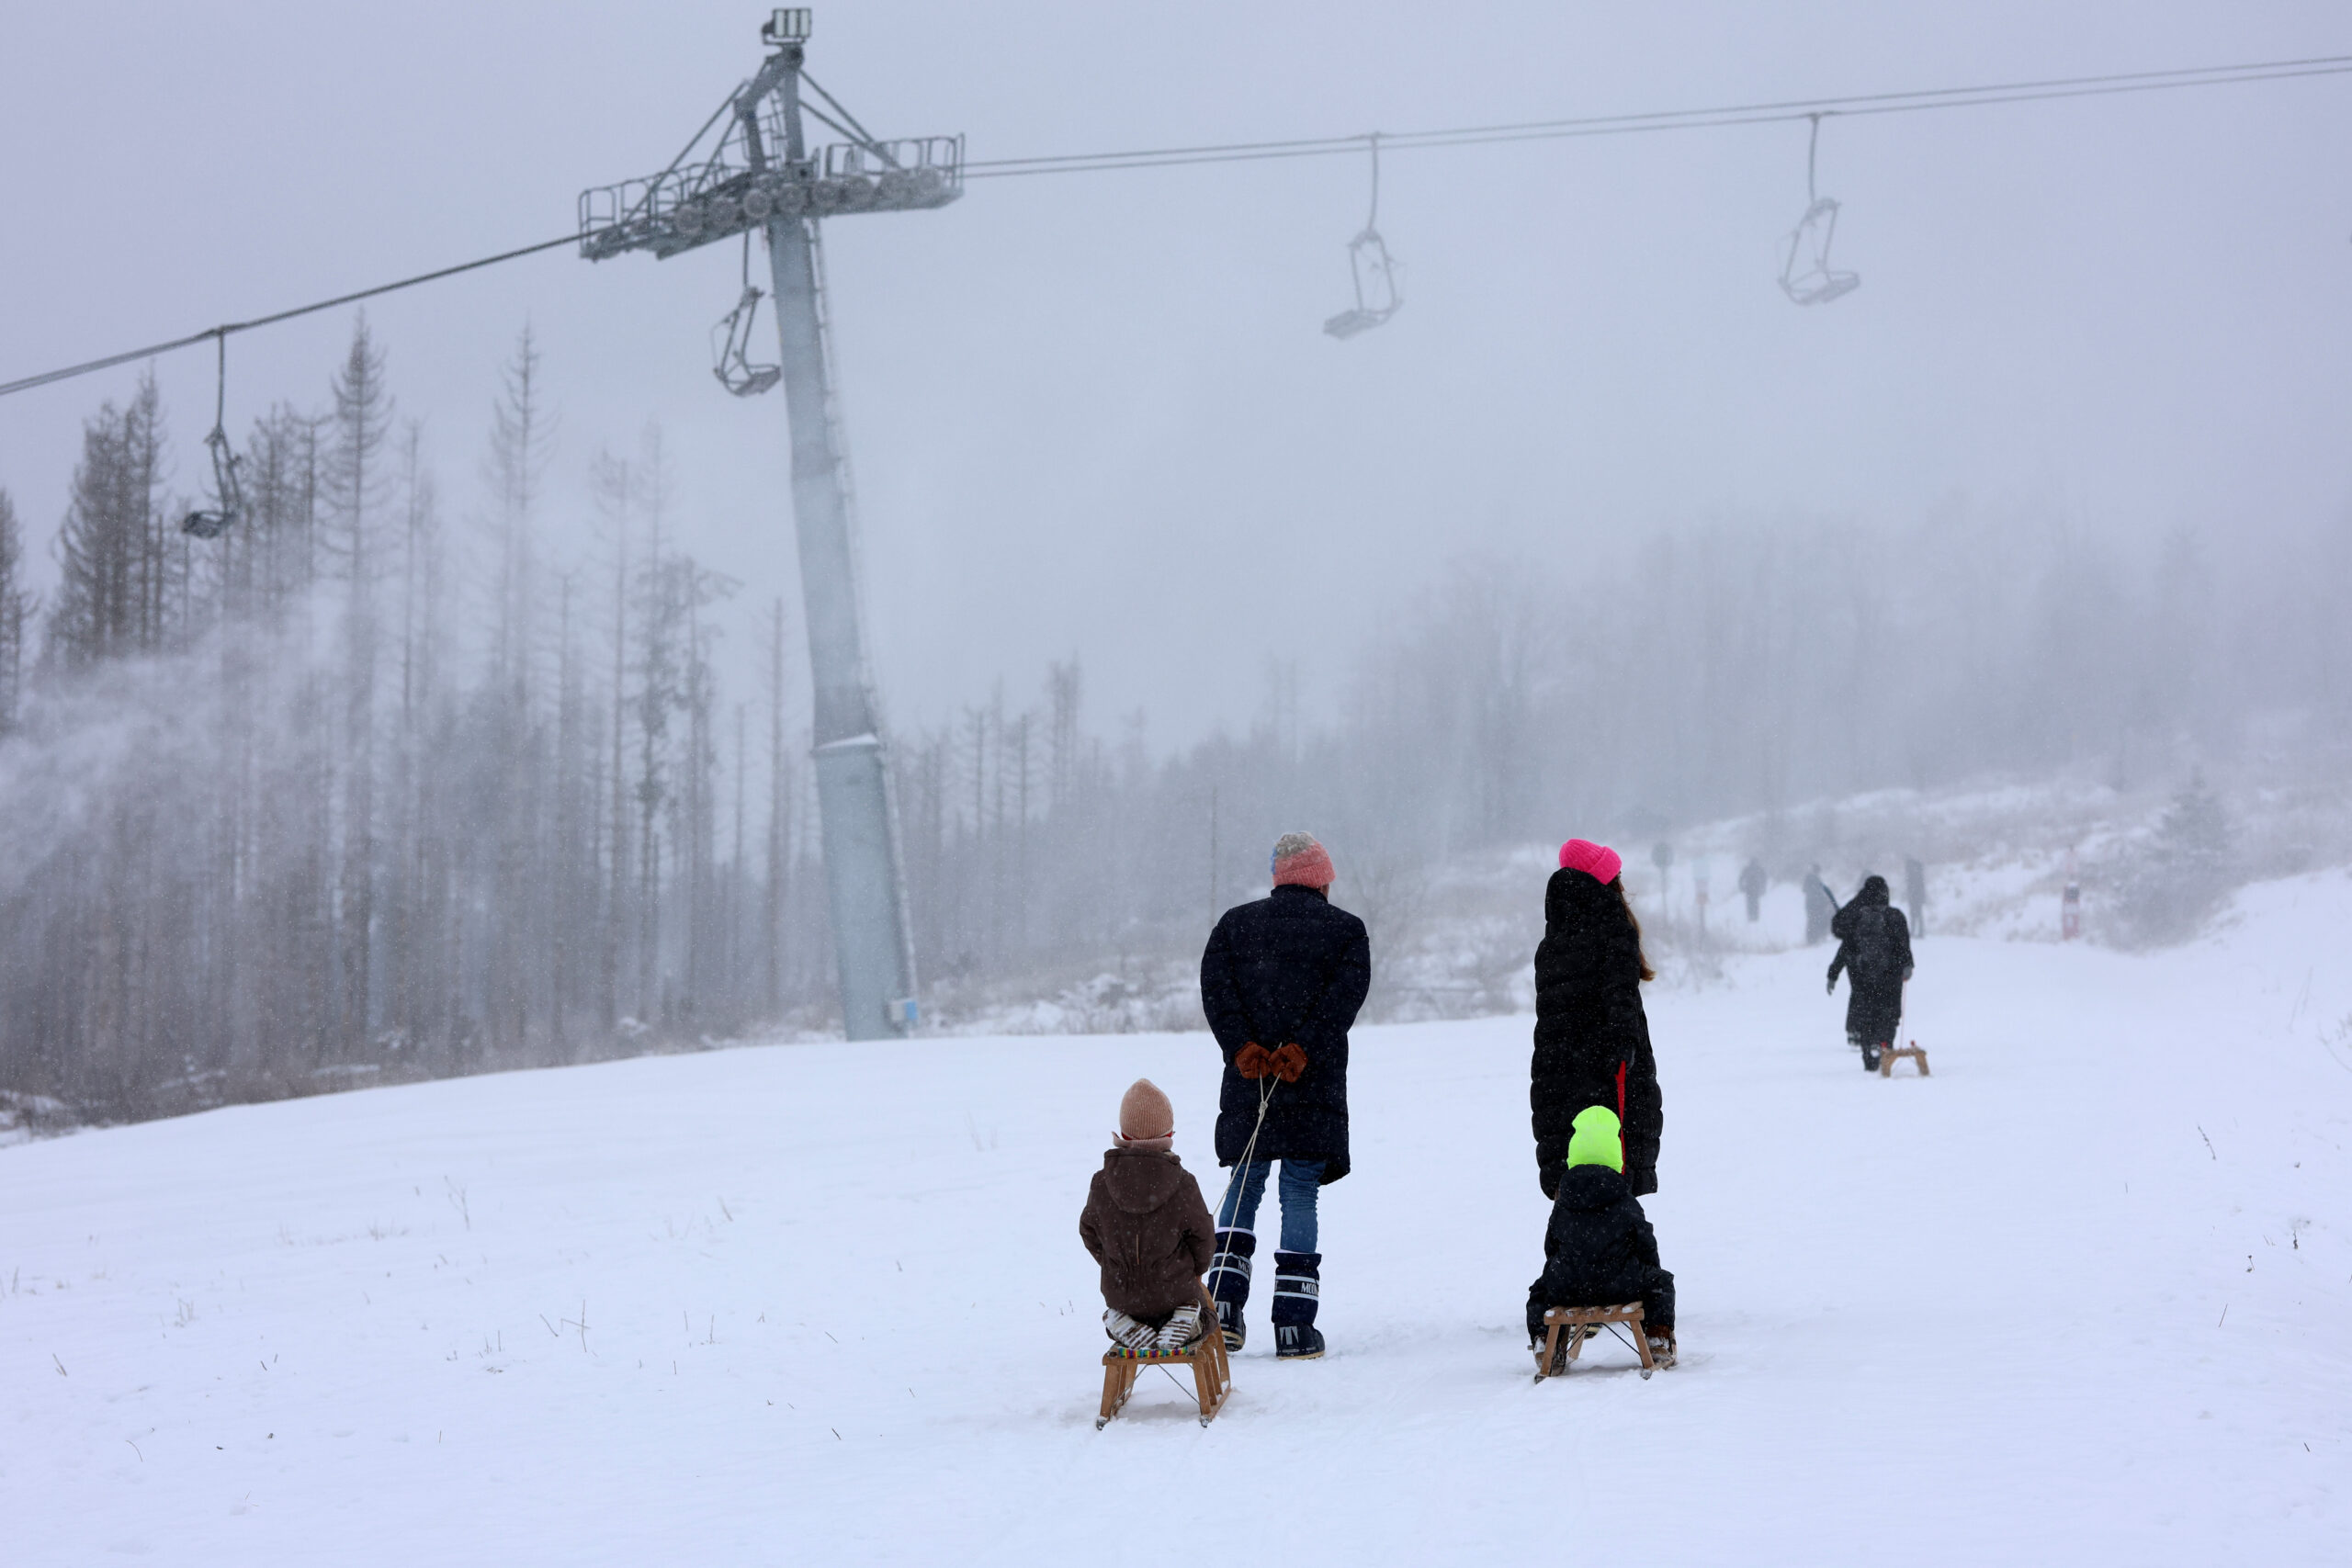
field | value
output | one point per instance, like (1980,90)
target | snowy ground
(2079,1297)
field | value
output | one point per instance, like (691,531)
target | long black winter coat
(1874,952)
(1592,1040)
(1289,968)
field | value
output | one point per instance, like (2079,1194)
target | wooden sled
(1886,1059)
(1555,1358)
(1211,1370)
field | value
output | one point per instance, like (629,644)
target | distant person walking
(1592,1039)
(1915,894)
(1820,908)
(1752,882)
(1874,952)
(1280,981)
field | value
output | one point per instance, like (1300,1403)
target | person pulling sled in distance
(1146,1223)
(1599,1249)
(1592,1039)
(1874,953)
(1282,979)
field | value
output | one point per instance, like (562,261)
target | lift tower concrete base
(760,175)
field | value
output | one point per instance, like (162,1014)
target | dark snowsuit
(1592,1040)
(1288,968)
(1598,1250)
(1874,952)
(1146,1224)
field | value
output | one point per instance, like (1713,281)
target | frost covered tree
(16,611)
(113,551)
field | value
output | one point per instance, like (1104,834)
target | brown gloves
(1254,1061)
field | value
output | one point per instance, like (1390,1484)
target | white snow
(2080,1297)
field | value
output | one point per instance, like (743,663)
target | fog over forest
(483,738)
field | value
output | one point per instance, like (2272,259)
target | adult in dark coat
(1280,981)
(1592,1039)
(1752,882)
(1874,953)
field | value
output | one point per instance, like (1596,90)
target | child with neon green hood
(1598,1250)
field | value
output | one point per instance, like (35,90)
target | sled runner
(1212,1371)
(1566,1328)
(1886,1059)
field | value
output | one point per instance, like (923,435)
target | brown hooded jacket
(1146,1223)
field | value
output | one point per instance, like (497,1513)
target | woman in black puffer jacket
(1592,1040)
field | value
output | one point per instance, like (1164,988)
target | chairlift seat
(1820,287)
(730,344)
(213,521)
(1808,243)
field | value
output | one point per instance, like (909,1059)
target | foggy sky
(1096,414)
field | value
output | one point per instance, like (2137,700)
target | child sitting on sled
(1146,1225)
(1598,1250)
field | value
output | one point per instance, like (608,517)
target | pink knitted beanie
(1597,861)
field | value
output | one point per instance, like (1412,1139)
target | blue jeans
(1301,1180)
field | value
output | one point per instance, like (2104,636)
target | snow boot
(1869,1051)
(1298,1291)
(1299,1342)
(1229,1283)
(1128,1333)
(1662,1346)
(1181,1332)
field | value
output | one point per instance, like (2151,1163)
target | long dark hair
(1618,887)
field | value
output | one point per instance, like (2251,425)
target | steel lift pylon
(751,168)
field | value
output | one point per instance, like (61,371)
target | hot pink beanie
(1300,861)
(1597,861)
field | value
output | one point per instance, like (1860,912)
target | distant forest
(351,792)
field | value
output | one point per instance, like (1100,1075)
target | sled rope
(1240,1168)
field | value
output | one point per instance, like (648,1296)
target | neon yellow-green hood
(1596,1140)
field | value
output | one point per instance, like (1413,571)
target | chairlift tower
(759,173)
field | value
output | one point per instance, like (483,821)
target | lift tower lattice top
(758,171)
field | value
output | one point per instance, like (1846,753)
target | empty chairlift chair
(731,341)
(1371,269)
(211,522)
(1806,277)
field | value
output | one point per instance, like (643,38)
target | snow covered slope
(2081,1296)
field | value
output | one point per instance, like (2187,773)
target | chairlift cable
(1469,136)
(1677,119)
(226,328)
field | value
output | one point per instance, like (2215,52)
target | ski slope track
(2081,1296)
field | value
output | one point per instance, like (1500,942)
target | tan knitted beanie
(1145,1115)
